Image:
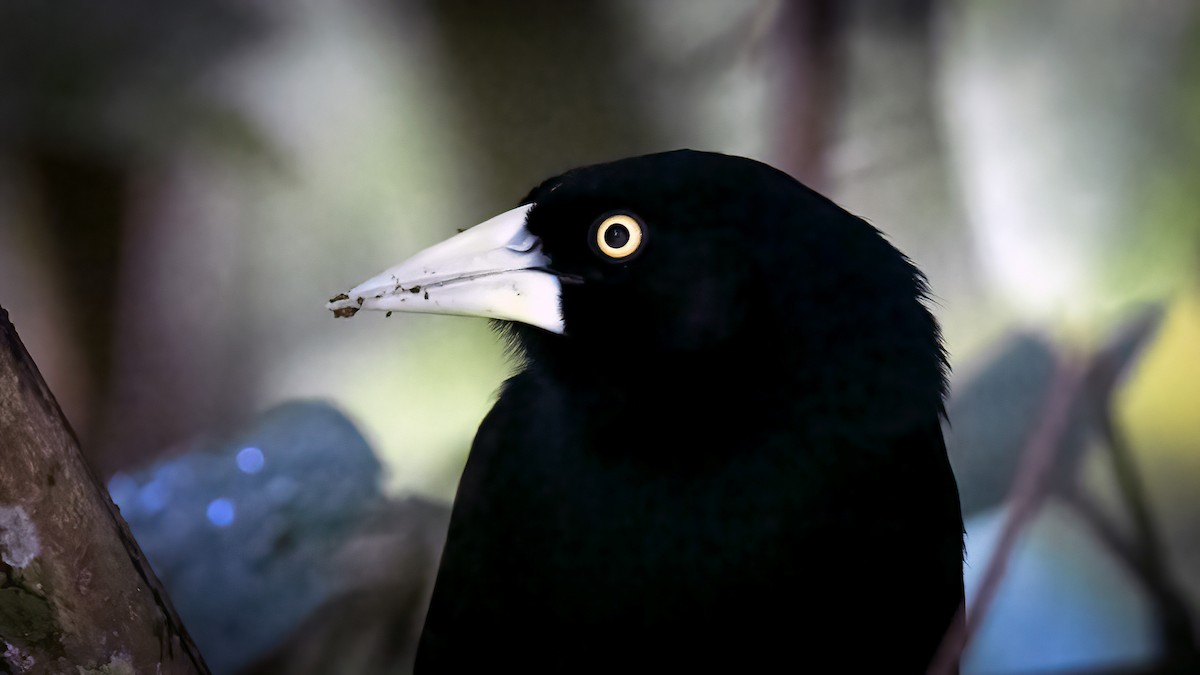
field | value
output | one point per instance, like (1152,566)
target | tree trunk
(76,593)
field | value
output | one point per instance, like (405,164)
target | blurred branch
(75,590)
(95,98)
(83,203)
(1148,570)
(1147,557)
(1029,491)
(1081,399)
(811,34)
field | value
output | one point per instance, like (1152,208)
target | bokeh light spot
(250,460)
(220,512)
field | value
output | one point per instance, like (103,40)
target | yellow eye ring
(619,236)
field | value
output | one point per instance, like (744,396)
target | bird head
(685,258)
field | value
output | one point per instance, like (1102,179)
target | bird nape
(722,450)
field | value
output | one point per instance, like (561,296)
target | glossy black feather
(732,461)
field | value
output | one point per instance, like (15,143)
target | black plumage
(732,458)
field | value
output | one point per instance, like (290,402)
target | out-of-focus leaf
(1124,346)
(992,415)
(245,534)
(1106,367)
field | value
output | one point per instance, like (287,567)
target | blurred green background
(183,185)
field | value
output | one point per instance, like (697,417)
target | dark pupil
(616,236)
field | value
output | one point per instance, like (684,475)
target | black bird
(722,450)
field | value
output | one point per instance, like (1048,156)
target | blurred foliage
(124,76)
(244,532)
(991,418)
(992,414)
(1073,132)
(1038,160)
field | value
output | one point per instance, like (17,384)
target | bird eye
(618,236)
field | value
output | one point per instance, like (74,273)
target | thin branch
(1179,637)
(1032,484)
(1106,532)
(812,34)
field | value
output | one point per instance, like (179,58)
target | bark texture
(76,593)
